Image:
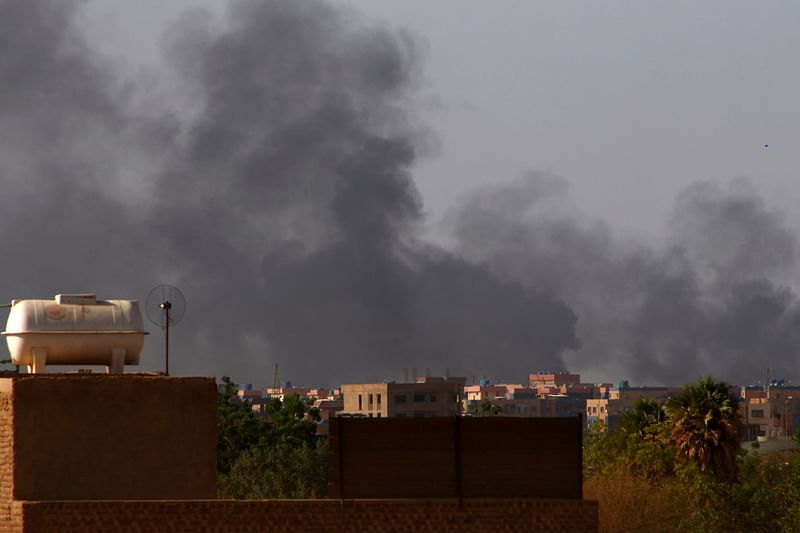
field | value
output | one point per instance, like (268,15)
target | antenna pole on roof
(166,306)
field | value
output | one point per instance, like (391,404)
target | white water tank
(75,329)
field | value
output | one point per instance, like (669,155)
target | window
(378,415)
(418,397)
(433,397)
(399,398)
(369,401)
(360,406)
(379,401)
(757,413)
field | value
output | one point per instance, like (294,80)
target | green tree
(644,413)
(278,471)
(487,408)
(274,455)
(706,426)
(238,429)
(292,420)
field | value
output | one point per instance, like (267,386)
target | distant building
(247,392)
(327,409)
(540,379)
(524,401)
(429,396)
(772,411)
(478,393)
(303,392)
(614,402)
(253,396)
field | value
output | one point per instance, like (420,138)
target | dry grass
(631,504)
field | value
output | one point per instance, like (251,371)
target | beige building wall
(770,417)
(602,409)
(426,399)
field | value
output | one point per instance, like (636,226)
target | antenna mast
(275,377)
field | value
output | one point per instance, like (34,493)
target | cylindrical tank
(75,329)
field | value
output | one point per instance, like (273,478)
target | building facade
(429,396)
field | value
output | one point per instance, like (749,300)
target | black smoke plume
(715,299)
(274,187)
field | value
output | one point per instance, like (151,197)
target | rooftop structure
(552,379)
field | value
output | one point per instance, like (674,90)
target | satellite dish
(165,307)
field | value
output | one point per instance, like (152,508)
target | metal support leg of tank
(117,361)
(38,360)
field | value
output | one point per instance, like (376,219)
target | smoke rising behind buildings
(273,183)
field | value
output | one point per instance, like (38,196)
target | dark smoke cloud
(275,187)
(276,191)
(714,299)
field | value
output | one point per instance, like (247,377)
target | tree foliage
(706,426)
(484,408)
(647,477)
(277,455)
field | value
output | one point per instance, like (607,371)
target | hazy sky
(354,187)
(630,101)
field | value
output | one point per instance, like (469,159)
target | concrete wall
(93,437)
(318,516)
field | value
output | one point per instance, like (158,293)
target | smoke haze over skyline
(270,174)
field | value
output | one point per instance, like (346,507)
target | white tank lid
(76,299)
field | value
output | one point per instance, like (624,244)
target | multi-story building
(616,401)
(429,396)
(772,411)
(552,379)
(522,401)
(486,391)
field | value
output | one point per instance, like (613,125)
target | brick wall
(319,516)
(6,447)
(84,437)
(90,437)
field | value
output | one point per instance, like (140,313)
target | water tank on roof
(485,382)
(75,329)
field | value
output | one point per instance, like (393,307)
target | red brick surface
(318,516)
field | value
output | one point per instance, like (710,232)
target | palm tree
(644,413)
(707,426)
